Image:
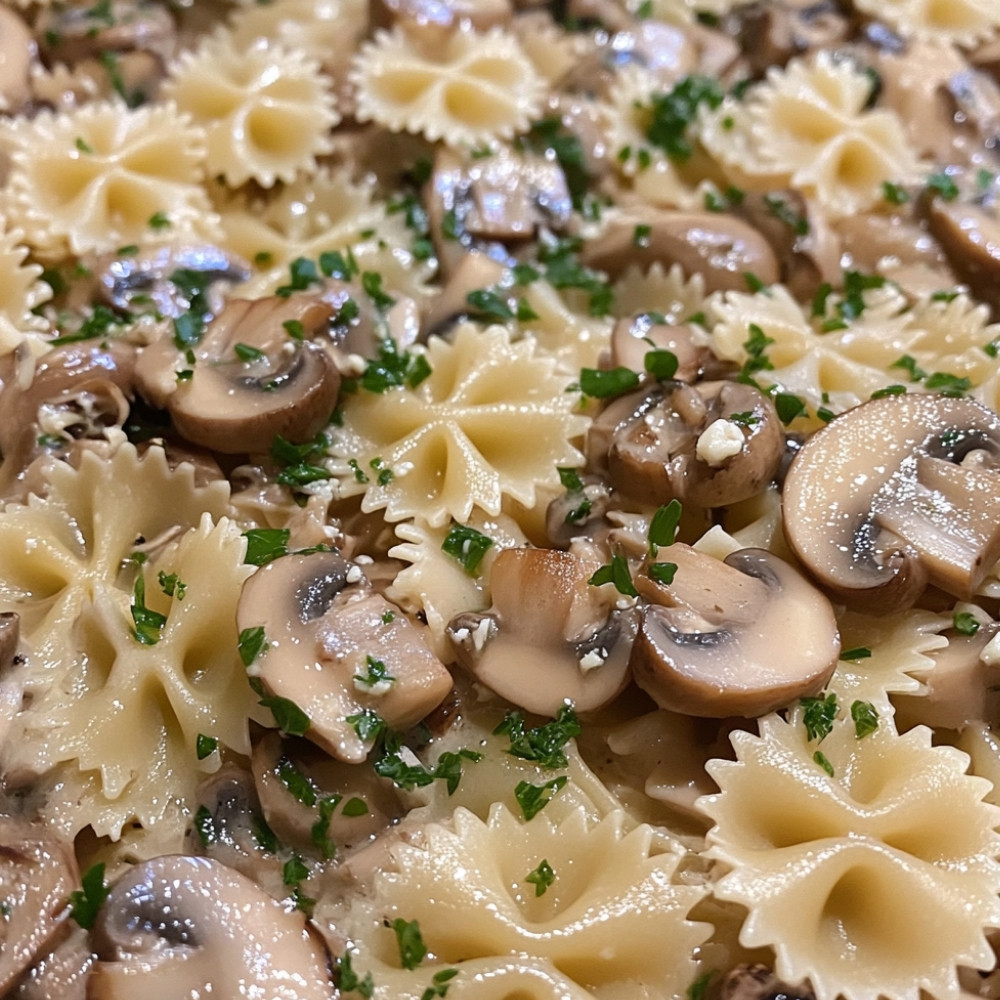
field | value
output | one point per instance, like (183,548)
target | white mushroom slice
(652,443)
(37,875)
(707,642)
(190,927)
(550,636)
(17,51)
(632,338)
(252,379)
(896,493)
(324,626)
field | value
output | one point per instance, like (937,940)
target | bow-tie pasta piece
(96,178)
(21,292)
(491,419)
(267,112)
(867,862)
(466,89)
(963,22)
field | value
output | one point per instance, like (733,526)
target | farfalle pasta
(465,89)
(832,865)
(266,112)
(91,179)
(491,420)
(436,381)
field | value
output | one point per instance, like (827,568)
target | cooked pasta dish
(499,500)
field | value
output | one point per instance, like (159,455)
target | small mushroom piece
(37,874)
(721,248)
(61,971)
(168,277)
(758,982)
(191,927)
(325,629)
(71,33)
(970,237)
(17,51)
(550,636)
(895,493)
(711,444)
(706,641)
(252,379)
(361,804)
(577,511)
(475,271)
(634,337)
(443,15)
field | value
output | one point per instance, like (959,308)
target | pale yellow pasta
(668,292)
(435,583)
(327,31)
(326,212)
(266,112)
(21,293)
(963,22)
(553,52)
(899,645)
(612,921)
(94,177)
(465,89)
(807,126)
(875,881)
(130,712)
(575,339)
(492,420)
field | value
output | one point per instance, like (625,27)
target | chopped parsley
(755,346)
(820,758)
(265,545)
(534,798)
(663,525)
(467,545)
(288,717)
(541,877)
(87,901)
(489,304)
(251,644)
(549,135)
(857,653)
(661,364)
(617,573)
(942,184)
(965,623)
(603,384)
(662,572)
(348,980)
(865,717)
(440,982)
(542,744)
(391,368)
(698,989)
(172,585)
(672,113)
(780,209)
(412,949)
(205,746)
(148,623)
(818,715)
(376,674)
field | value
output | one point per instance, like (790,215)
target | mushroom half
(897,493)
(325,630)
(550,636)
(178,926)
(706,643)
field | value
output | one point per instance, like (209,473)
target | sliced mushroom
(706,642)
(178,926)
(970,237)
(252,379)
(895,493)
(442,15)
(164,277)
(37,874)
(77,388)
(324,628)
(721,248)
(59,973)
(294,779)
(71,33)
(550,636)
(758,982)
(633,337)
(475,271)
(770,33)
(577,511)
(17,51)
(711,444)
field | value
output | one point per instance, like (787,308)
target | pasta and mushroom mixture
(500,500)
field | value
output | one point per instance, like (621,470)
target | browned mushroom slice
(252,379)
(475,271)
(771,32)
(723,249)
(168,277)
(712,444)
(37,875)
(706,642)
(205,930)
(71,33)
(758,982)
(633,338)
(61,971)
(970,236)
(549,637)
(337,650)
(310,799)
(896,493)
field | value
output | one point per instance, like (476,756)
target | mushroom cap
(287,386)
(660,443)
(706,642)
(894,494)
(180,926)
(550,636)
(322,623)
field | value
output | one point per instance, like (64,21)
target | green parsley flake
(467,545)
(541,877)
(87,901)
(542,744)
(534,798)
(205,746)
(251,644)
(865,717)
(818,715)
(410,942)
